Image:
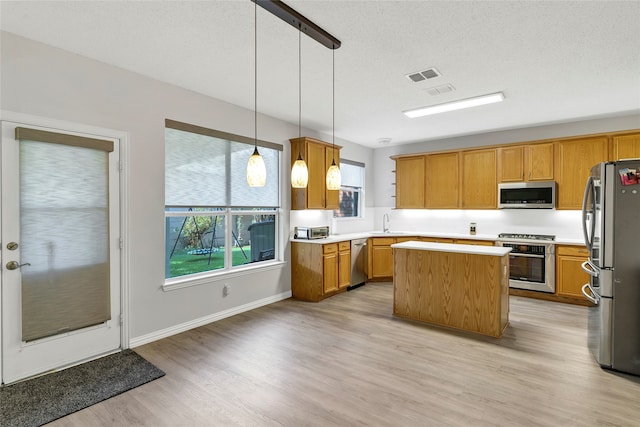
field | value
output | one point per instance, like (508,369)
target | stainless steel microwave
(527,195)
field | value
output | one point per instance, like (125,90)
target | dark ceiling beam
(299,21)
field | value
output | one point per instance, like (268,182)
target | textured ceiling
(554,61)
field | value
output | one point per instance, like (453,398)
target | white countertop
(334,238)
(450,247)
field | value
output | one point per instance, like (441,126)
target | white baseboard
(164,333)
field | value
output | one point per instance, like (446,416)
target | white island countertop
(451,247)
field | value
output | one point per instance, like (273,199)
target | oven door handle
(525,255)
(592,270)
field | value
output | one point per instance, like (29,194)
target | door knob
(14,265)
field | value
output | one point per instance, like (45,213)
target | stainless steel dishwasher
(358,262)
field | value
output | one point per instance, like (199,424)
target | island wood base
(459,290)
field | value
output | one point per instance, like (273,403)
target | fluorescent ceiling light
(455,105)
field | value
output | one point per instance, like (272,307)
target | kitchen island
(460,286)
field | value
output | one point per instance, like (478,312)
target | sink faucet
(385,223)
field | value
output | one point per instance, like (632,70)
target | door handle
(14,265)
(593,298)
(590,269)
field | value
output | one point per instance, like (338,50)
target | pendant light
(299,171)
(334,177)
(256,170)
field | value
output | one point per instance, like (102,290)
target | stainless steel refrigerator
(611,225)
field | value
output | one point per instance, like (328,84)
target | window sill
(204,279)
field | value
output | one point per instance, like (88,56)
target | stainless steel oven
(531,261)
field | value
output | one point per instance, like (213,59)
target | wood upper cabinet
(410,182)
(574,159)
(511,164)
(479,182)
(569,274)
(442,181)
(317,154)
(626,147)
(526,163)
(539,165)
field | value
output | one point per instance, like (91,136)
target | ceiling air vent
(439,90)
(419,76)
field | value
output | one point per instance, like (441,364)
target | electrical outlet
(225,290)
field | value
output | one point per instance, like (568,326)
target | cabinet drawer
(344,246)
(330,248)
(579,251)
(382,241)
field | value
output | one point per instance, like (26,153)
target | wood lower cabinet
(569,274)
(344,264)
(436,239)
(475,242)
(380,257)
(574,159)
(479,182)
(319,271)
(626,147)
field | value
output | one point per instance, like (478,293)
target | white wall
(48,82)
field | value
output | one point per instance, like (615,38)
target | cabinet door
(574,159)
(539,162)
(332,196)
(511,164)
(479,183)
(569,274)
(317,175)
(410,182)
(626,147)
(442,179)
(382,262)
(344,268)
(330,272)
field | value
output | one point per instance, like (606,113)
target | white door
(60,234)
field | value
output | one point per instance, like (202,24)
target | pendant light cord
(255,76)
(333,118)
(299,89)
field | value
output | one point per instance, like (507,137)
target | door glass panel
(64,238)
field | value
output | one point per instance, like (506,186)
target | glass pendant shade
(334,177)
(256,170)
(299,174)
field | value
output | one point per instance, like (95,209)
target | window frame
(359,190)
(229,212)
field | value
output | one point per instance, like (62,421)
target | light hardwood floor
(347,361)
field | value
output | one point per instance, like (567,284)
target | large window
(213,220)
(351,190)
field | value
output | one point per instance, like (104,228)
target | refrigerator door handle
(593,298)
(592,270)
(589,189)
